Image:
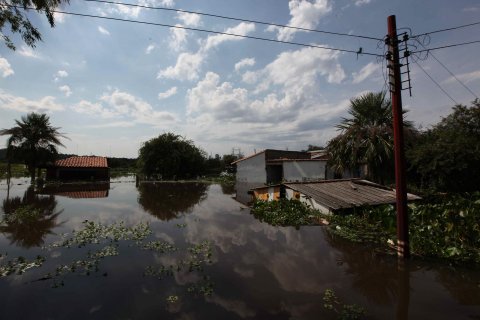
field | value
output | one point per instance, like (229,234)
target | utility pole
(395,79)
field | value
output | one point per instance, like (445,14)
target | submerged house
(273,166)
(330,196)
(79,168)
(77,191)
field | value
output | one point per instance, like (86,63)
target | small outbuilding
(80,168)
(329,196)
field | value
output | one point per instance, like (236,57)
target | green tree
(447,156)
(366,137)
(33,140)
(14,13)
(171,156)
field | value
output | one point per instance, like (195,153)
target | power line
(451,73)
(237,19)
(447,29)
(446,46)
(438,85)
(205,30)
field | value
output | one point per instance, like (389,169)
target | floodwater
(256,271)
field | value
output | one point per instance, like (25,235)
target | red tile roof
(83,162)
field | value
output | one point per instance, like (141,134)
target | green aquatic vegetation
(203,287)
(19,265)
(344,311)
(200,254)
(285,213)
(181,225)
(160,272)
(445,227)
(95,233)
(159,246)
(172,299)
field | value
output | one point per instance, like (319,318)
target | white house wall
(252,170)
(289,194)
(303,170)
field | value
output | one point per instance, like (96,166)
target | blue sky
(112,85)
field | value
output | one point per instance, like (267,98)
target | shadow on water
(28,228)
(168,200)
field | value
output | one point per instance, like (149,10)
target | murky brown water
(257,271)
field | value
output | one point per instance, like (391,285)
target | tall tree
(33,140)
(14,13)
(447,156)
(366,137)
(171,156)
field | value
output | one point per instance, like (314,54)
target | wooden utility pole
(395,79)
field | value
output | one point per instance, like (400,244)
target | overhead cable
(446,46)
(447,29)
(206,31)
(438,85)
(451,73)
(236,19)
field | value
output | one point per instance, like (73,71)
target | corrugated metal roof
(82,162)
(342,194)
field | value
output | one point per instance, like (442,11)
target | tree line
(445,157)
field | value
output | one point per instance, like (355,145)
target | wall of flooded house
(252,170)
(304,170)
(295,195)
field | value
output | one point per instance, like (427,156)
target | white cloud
(104,31)
(471,9)
(465,77)
(5,68)
(189,19)
(188,65)
(118,104)
(28,52)
(186,68)
(286,109)
(170,92)
(365,72)
(150,48)
(95,109)
(66,90)
(242,29)
(304,14)
(250,77)
(62,73)
(59,17)
(131,11)
(359,3)
(247,62)
(178,38)
(47,103)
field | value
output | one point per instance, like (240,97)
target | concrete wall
(303,170)
(252,170)
(291,194)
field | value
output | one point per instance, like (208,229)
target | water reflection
(28,228)
(167,200)
(78,191)
(373,276)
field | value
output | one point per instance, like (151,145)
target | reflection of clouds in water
(245,273)
(165,237)
(298,259)
(236,306)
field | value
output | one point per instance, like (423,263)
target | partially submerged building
(79,168)
(329,196)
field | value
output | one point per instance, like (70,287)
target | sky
(112,85)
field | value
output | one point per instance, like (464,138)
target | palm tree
(366,137)
(33,140)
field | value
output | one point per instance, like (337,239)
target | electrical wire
(438,85)
(206,31)
(451,73)
(236,19)
(446,46)
(447,29)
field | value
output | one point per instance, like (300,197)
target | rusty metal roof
(82,162)
(348,193)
